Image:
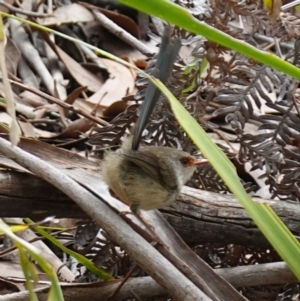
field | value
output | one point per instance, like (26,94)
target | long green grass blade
(34,253)
(80,258)
(179,16)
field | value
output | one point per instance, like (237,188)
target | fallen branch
(146,287)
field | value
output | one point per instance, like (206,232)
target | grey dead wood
(30,53)
(212,217)
(22,11)
(192,266)
(145,287)
(258,274)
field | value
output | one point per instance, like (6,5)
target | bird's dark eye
(184,161)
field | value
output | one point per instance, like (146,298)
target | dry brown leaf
(12,56)
(74,95)
(142,64)
(115,109)
(82,104)
(73,13)
(9,66)
(32,99)
(119,84)
(76,128)
(11,269)
(112,111)
(4,9)
(14,129)
(60,158)
(28,130)
(44,134)
(130,61)
(41,111)
(80,74)
(123,21)
(20,107)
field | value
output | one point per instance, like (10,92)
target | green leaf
(179,16)
(80,258)
(27,269)
(29,273)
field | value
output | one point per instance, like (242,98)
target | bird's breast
(133,185)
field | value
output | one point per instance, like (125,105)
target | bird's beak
(199,162)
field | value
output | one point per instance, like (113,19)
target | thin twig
(122,282)
(30,53)
(59,102)
(22,11)
(117,30)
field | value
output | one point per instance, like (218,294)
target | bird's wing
(149,162)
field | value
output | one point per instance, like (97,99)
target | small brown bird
(148,178)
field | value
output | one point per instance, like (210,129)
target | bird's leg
(154,237)
(136,212)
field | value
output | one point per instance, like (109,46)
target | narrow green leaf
(29,273)
(83,260)
(34,253)
(176,14)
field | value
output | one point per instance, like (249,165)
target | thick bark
(198,216)
(25,195)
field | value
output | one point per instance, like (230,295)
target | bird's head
(184,164)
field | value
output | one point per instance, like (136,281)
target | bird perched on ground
(149,177)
